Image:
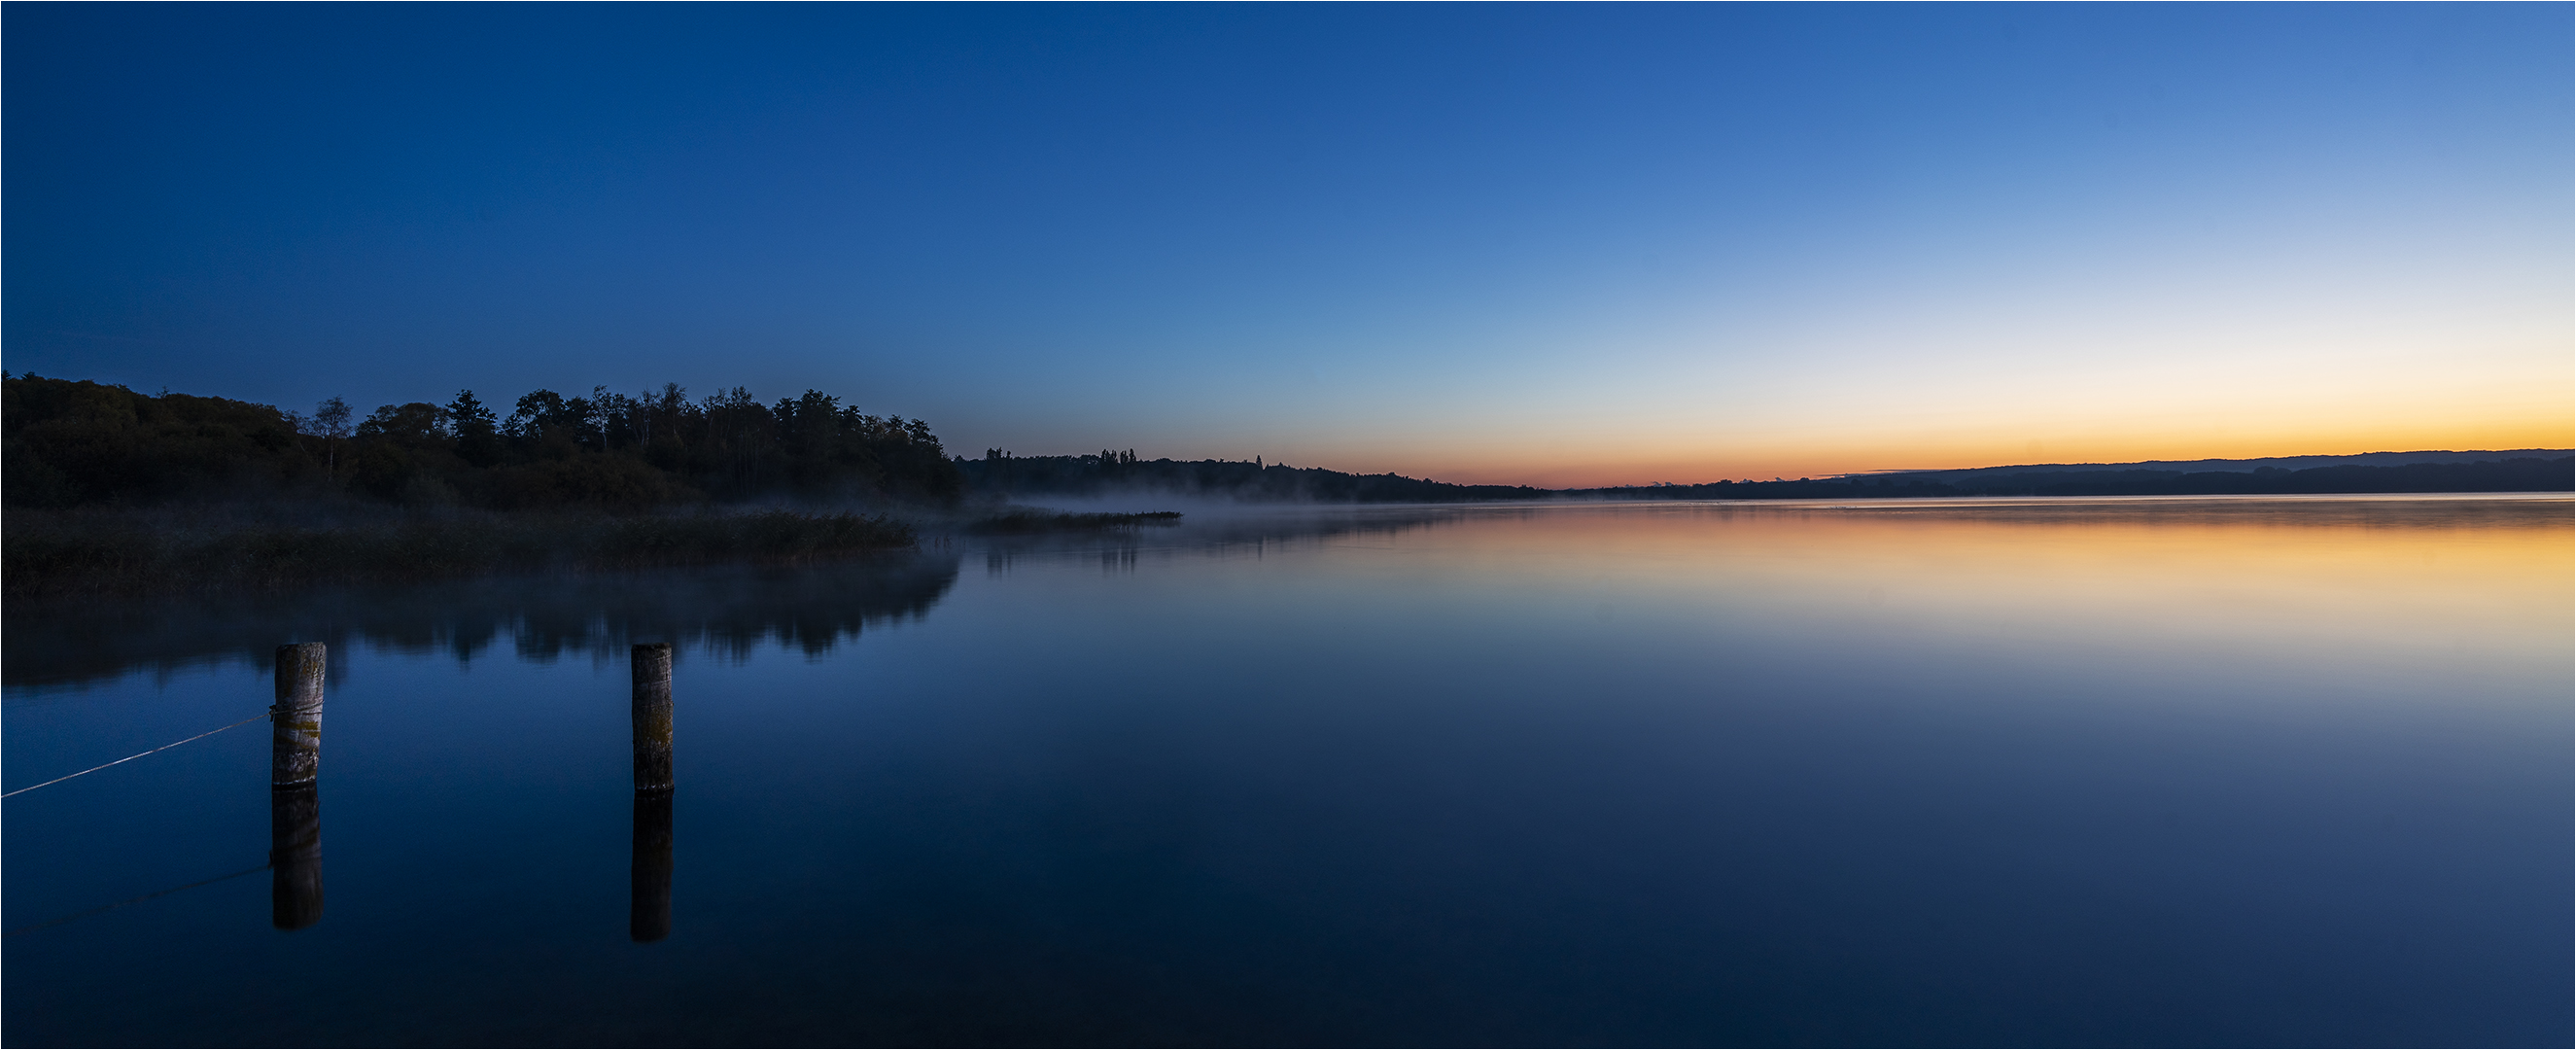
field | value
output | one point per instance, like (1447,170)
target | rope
(103,909)
(130,758)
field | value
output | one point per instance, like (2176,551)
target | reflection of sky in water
(2137,771)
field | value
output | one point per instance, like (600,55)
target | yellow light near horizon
(2258,365)
(2381,577)
(2112,432)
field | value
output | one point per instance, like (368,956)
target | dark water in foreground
(2127,772)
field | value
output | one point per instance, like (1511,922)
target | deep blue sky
(1525,243)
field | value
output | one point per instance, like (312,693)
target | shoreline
(94,553)
(104,553)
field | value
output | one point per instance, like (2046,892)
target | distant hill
(2232,466)
(2518,470)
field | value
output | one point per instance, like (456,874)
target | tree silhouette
(331,424)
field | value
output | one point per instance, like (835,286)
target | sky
(1554,245)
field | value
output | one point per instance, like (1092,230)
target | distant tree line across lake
(79,443)
(85,444)
(1110,471)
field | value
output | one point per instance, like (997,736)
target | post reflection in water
(295,856)
(649,911)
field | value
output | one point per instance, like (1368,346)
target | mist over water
(2244,771)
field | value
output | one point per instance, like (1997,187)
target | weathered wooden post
(296,720)
(294,801)
(649,905)
(653,716)
(294,856)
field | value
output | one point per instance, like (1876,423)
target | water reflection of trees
(729,611)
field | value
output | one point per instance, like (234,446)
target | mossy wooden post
(296,720)
(294,856)
(653,717)
(649,901)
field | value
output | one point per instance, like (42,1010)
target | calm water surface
(2113,772)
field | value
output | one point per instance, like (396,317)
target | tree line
(1254,480)
(1002,473)
(66,443)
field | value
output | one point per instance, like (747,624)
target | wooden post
(294,856)
(296,720)
(653,716)
(649,903)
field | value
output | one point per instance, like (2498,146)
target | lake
(2145,771)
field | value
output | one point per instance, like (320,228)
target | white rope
(130,758)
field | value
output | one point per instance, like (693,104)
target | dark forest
(70,444)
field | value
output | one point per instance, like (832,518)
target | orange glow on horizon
(1756,459)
